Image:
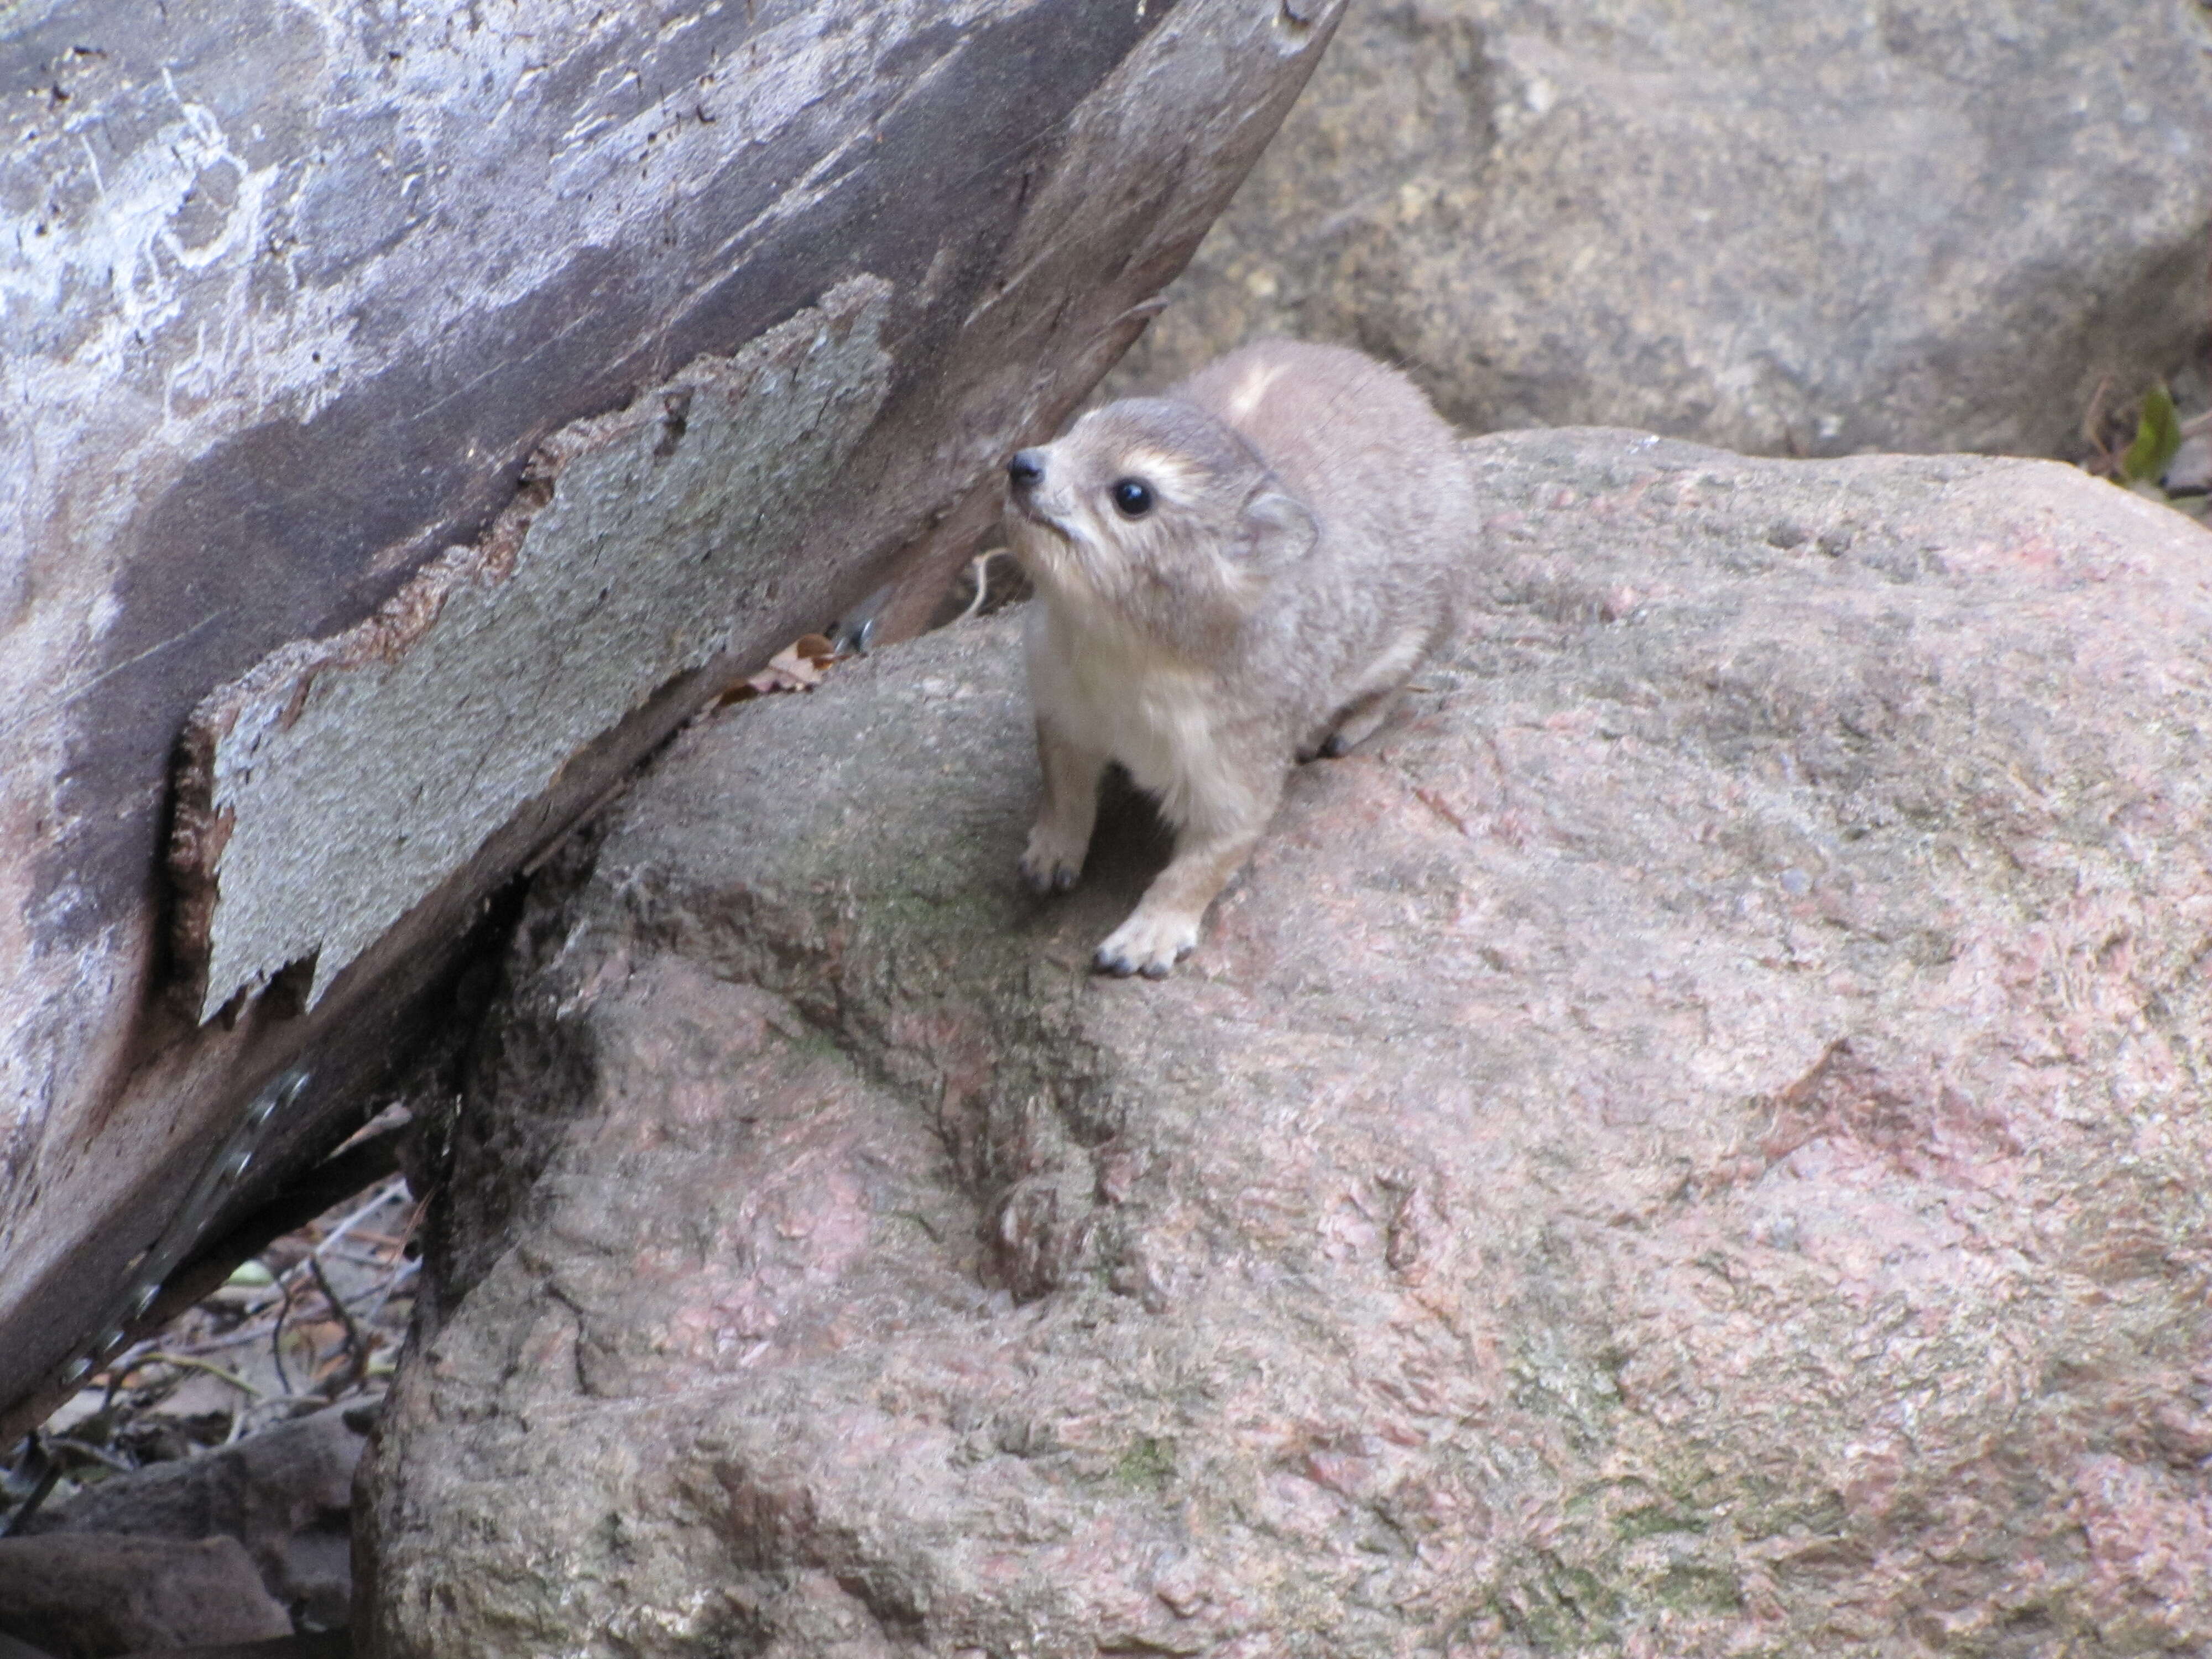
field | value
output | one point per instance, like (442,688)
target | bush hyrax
(1243,571)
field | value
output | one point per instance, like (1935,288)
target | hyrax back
(1238,575)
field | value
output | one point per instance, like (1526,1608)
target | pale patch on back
(1253,387)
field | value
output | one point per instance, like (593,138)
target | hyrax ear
(1280,529)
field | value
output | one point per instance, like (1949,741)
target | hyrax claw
(1046,880)
(1054,862)
(1151,942)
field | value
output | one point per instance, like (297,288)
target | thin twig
(253,1332)
(356,1343)
(96,1454)
(276,1333)
(48,1478)
(383,1195)
(241,1421)
(391,1287)
(2093,427)
(175,1357)
(979,567)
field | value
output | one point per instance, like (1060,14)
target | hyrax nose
(1026,470)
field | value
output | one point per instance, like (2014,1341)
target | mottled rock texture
(349,362)
(1781,228)
(1690,1142)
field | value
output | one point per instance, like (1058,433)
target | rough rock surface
(286,1494)
(350,358)
(1691,1142)
(89,1594)
(1781,228)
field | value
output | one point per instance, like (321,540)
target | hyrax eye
(1133,497)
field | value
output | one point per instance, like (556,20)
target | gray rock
(285,1493)
(84,1595)
(1690,1142)
(1780,228)
(413,417)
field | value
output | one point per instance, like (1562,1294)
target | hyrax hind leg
(1361,721)
(1368,702)
(1062,837)
(1209,849)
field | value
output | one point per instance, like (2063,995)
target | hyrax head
(1155,512)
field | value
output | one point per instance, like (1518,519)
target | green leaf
(2158,434)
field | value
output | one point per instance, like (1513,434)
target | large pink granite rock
(1689,1143)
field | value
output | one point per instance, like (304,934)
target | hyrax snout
(1236,575)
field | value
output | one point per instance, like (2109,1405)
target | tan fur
(1294,564)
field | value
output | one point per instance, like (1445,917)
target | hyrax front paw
(1054,862)
(1150,943)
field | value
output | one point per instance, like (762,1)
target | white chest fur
(1111,693)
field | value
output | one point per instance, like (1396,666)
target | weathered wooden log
(409,421)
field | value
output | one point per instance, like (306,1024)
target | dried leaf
(799,666)
(801,672)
